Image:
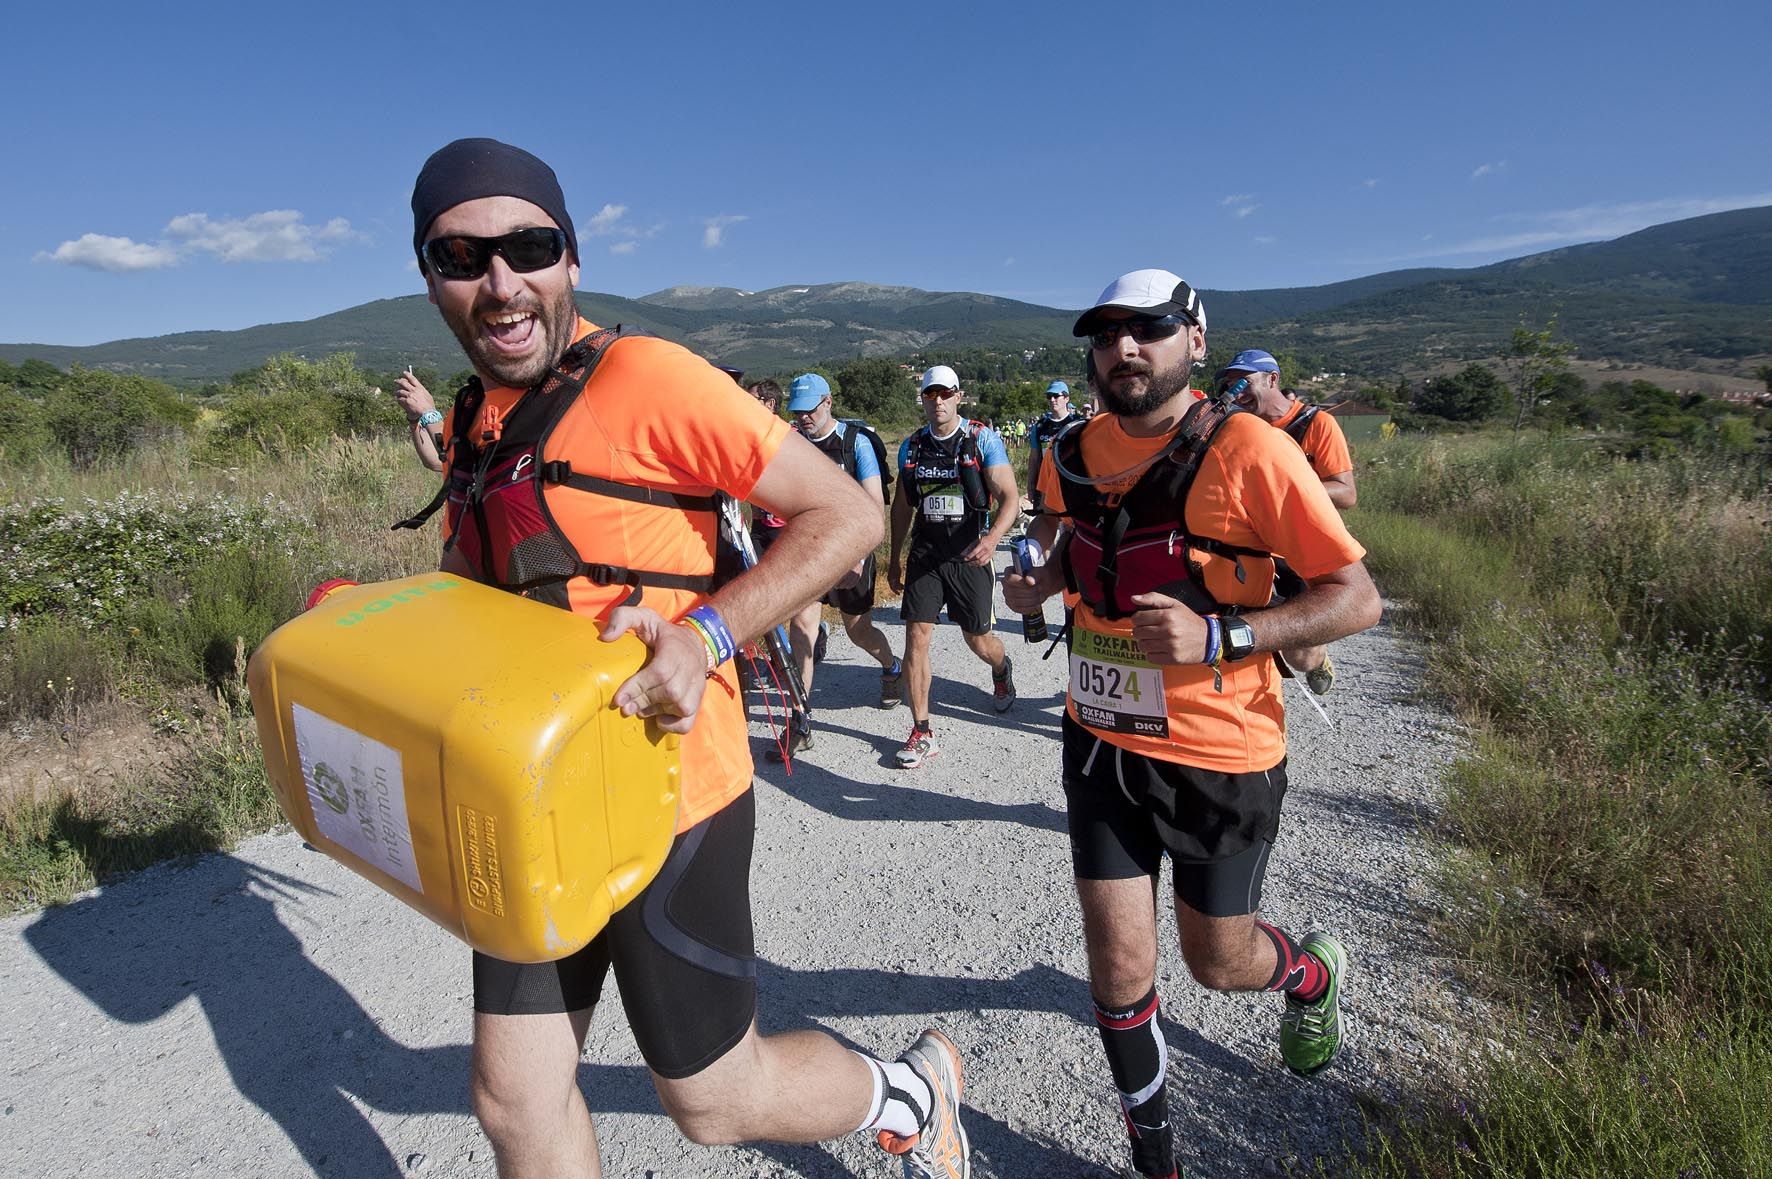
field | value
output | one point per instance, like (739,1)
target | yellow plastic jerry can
(457,745)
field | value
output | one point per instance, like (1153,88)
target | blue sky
(199,166)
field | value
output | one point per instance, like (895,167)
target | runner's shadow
(865,802)
(295,1043)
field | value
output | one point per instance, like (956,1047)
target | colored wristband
(1214,641)
(707,621)
(430,417)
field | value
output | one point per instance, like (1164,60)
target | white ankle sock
(901,1101)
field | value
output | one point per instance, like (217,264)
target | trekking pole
(775,640)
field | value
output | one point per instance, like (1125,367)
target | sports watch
(1239,638)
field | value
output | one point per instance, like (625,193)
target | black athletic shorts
(683,953)
(1124,810)
(859,598)
(968,591)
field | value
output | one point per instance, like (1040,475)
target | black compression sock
(1138,1059)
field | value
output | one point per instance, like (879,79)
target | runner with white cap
(1174,732)
(955,484)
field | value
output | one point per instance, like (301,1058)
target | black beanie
(469,169)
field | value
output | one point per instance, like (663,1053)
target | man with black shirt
(1058,415)
(955,483)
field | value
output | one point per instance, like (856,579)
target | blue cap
(806,392)
(1253,360)
(1058,389)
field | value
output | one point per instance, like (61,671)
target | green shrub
(95,415)
(25,435)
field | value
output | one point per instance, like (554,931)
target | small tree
(1532,361)
(1474,394)
(875,388)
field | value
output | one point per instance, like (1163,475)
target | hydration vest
(1299,426)
(1140,543)
(506,494)
(843,447)
(924,451)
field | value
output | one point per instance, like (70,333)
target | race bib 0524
(1113,687)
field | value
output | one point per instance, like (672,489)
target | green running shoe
(1321,678)
(1310,1033)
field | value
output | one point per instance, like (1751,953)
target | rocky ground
(270,1013)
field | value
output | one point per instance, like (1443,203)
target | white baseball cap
(1148,292)
(941,375)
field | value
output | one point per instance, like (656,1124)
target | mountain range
(1693,294)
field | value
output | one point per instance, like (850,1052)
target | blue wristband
(430,417)
(708,621)
(1214,636)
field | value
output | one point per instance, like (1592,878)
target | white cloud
(1587,223)
(279,235)
(1009,261)
(609,222)
(604,222)
(713,233)
(1265,239)
(1370,182)
(1242,204)
(119,255)
(1483,170)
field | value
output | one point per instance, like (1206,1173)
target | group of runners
(574,475)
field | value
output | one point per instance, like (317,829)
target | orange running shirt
(657,415)
(1324,443)
(1253,490)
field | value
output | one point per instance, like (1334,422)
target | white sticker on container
(357,793)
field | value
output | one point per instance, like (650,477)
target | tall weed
(1605,624)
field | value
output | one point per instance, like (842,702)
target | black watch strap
(1239,639)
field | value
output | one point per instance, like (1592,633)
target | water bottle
(1028,556)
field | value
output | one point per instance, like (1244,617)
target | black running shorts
(1125,810)
(859,598)
(683,954)
(967,590)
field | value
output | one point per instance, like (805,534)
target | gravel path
(270,1013)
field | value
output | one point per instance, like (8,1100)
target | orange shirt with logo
(1324,444)
(657,415)
(1253,490)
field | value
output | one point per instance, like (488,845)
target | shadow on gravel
(1371,813)
(296,1044)
(867,802)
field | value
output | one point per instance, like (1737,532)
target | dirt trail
(269,1013)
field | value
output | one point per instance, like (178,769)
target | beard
(1159,387)
(554,328)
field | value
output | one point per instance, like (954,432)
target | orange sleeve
(1280,497)
(1327,446)
(1051,490)
(713,434)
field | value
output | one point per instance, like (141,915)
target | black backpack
(854,432)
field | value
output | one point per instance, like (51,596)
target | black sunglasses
(1142,330)
(524,251)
